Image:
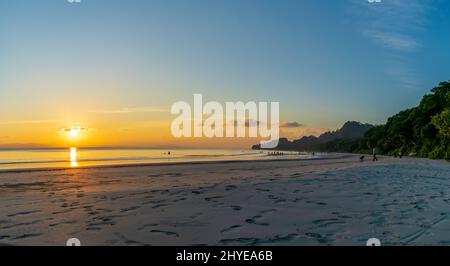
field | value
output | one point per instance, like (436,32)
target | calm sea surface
(76,157)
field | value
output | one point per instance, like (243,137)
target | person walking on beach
(374,153)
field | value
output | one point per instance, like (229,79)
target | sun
(73,132)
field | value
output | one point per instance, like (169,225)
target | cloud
(399,15)
(296,133)
(74,129)
(393,40)
(406,76)
(127,110)
(395,26)
(281,124)
(252,123)
(247,123)
(290,125)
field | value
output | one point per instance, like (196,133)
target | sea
(32,159)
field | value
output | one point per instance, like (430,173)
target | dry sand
(310,202)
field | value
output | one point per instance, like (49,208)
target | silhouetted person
(374,153)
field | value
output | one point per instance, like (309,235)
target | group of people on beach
(277,153)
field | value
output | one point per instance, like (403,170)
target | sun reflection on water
(73,157)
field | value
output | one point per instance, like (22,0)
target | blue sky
(325,61)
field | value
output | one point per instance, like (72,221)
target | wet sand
(306,202)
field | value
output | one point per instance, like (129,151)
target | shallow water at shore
(76,157)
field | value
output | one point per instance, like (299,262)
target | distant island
(344,139)
(422,131)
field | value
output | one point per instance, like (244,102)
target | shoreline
(50,169)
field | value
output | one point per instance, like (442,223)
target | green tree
(423,130)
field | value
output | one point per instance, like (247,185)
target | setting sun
(73,131)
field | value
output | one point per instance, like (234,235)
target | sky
(116,66)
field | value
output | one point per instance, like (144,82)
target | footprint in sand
(197,192)
(23,213)
(159,206)
(61,212)
(179,199)
(321,239)
(24,236)
(176,193)
(298,199)
(21,224)
(127,241)
(277,200)
(195,215)
(166,233)
(316,202)
(231,228)
(98,222)
(230,187)
(132,208)
(261,214)
(214,198)
(256,241)
(327,222)
(174,174)
(236,207)
(153,202)
(240,241)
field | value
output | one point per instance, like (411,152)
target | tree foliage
(423,130)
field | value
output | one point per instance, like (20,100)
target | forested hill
(344,139)
(423,130)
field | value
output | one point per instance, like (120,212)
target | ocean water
(23,159)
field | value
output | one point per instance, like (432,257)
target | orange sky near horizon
(120,130)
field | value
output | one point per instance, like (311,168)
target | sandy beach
(338,201)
